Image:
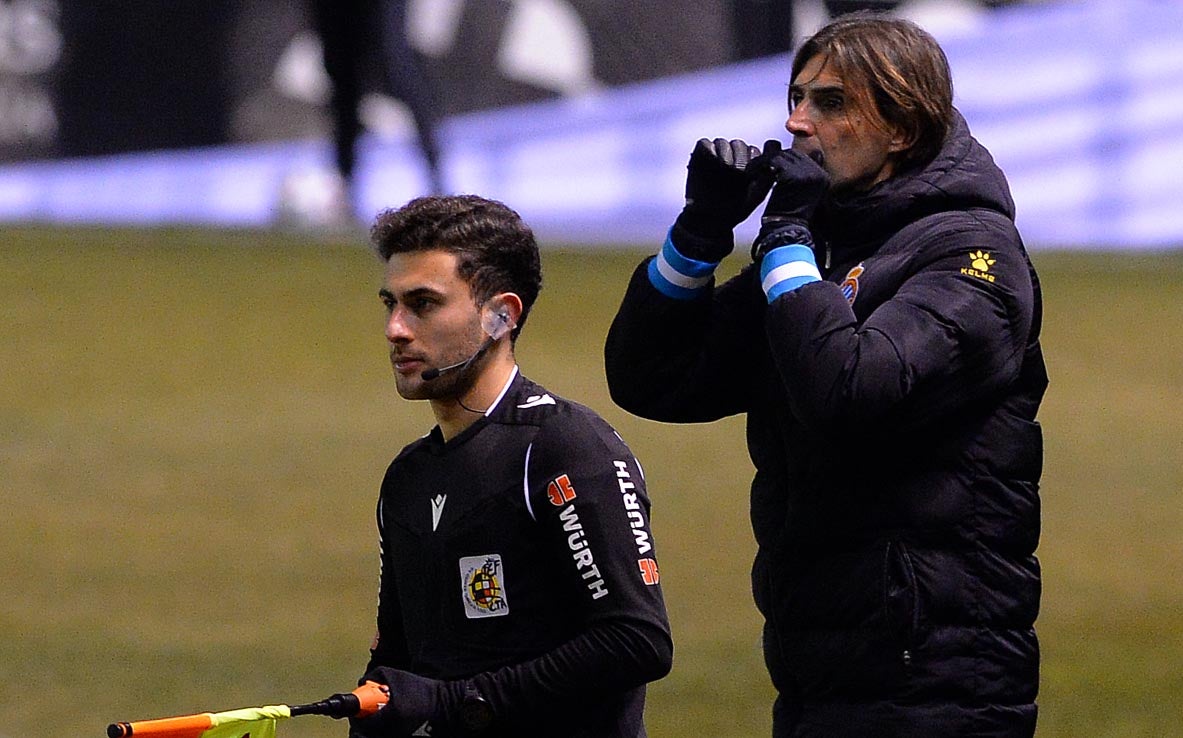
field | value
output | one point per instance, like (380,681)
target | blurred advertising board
(97,77)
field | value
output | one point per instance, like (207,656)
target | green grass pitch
(193,426)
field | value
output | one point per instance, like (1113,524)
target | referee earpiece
(496,321)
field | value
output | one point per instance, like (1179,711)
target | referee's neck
(454,415)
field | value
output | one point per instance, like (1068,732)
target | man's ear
(500,314)
(901,140)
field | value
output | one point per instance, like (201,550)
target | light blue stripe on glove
(677,276)
(786,268)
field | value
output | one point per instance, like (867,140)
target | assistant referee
(520,589)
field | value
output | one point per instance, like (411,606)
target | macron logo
(536,400)
(437,509)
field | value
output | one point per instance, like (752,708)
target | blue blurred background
(578,113)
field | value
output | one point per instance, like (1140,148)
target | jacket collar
(963,175)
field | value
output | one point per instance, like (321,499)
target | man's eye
(832,104)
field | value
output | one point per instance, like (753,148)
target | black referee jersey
(519,554)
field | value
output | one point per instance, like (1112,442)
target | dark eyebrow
(821,89)
(386,294)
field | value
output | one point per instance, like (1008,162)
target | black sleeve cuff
(783,233)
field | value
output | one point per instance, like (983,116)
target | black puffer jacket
(891,420)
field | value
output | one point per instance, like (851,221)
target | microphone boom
(429,374)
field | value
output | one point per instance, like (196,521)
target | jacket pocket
(901,600)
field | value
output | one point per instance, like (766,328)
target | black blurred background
(92,77)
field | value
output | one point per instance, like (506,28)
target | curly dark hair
(496,251)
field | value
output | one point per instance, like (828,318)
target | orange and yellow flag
(250,722)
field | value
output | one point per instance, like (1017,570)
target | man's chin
(442,387)
(412,389)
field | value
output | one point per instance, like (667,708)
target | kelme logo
(979,265)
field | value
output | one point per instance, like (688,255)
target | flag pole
(361,702)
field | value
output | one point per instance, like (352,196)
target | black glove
(414,700)
(721,192)
(801,183)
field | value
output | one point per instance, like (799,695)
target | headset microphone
(496,325)
(432,373)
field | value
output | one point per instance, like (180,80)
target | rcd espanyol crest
(850,284)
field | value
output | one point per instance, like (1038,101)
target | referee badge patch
(482,584)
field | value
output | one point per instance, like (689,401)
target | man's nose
(798,122)
(397,328)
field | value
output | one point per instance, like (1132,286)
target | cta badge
(482,584)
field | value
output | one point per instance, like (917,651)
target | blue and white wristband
(786,268)
(677,276)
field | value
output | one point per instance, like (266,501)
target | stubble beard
(448,386)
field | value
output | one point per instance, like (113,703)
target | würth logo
(560,491)
(649,573)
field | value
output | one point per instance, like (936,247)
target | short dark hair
(898,69)
(496,251)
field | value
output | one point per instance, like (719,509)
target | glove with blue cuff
(721,192)
(723,187)
(801,184)
(784,246)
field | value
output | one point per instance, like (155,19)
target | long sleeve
(685,360)
(588,494)
(390,646)
(951,335)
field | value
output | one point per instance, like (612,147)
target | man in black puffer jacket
(885,347)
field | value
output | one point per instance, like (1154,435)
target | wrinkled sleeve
(953,334)
(685,360)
